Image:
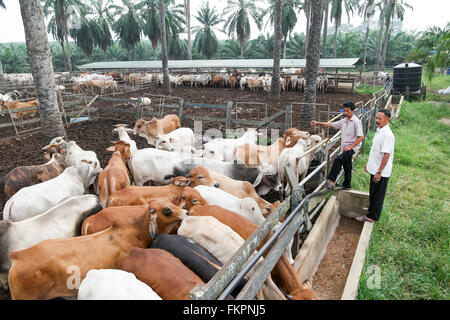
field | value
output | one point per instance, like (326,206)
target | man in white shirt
(351,137)
(379,165)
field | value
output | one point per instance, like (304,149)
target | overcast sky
(426,13)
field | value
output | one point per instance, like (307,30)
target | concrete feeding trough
(329,232)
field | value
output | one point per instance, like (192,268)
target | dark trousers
(377,191)
(342,160)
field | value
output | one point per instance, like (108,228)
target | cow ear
(288,141)
(112,148)
(47,156)
(167,211)
(171,140)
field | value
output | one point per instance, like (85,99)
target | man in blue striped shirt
(351,137)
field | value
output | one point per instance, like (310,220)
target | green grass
(366,89)
(410,242)
(433,86)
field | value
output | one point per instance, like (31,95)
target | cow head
(51,149)
(292,135)
(139,127)
(123,127)
(200,176)
(122,147)
(88,171)
(188,198)
(269,180)
(163,142)
(164,216)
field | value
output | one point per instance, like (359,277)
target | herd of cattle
(156,222)
(290,79)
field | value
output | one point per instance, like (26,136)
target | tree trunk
(335,39)
(325,30)
(365,46)
(69,55)
(386,40)
(133,53)
(42,69)
(165,62)
(312,65)
(380,37)
(63,55)
(188,26)
(308,14)
(284,47)
(104,55)
(275,86)
(242,50)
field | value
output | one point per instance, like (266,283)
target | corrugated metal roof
(213,64)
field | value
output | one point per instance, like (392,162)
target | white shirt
(383,142)
(351,130)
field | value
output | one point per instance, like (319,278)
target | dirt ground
(329,280)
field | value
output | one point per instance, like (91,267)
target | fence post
(138,110)
(288,117)
(375,110)
(180,110)
(228,119)
(364,124)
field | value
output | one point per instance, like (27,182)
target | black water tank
(407,75)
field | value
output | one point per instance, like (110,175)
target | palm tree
(275,86)
(103,19)
(205,38)
(15,58)
(296,45)
(367,10)
(438,40)
(150,15)
(238,21)
(41,69)
(380,34)
(395,9)
(187,13)
(325,29)
(288,17)
(84,36)
(165,62)
(230,49)
(337,7)
(312,64)
(128,26)
(62,11)
(152,28)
